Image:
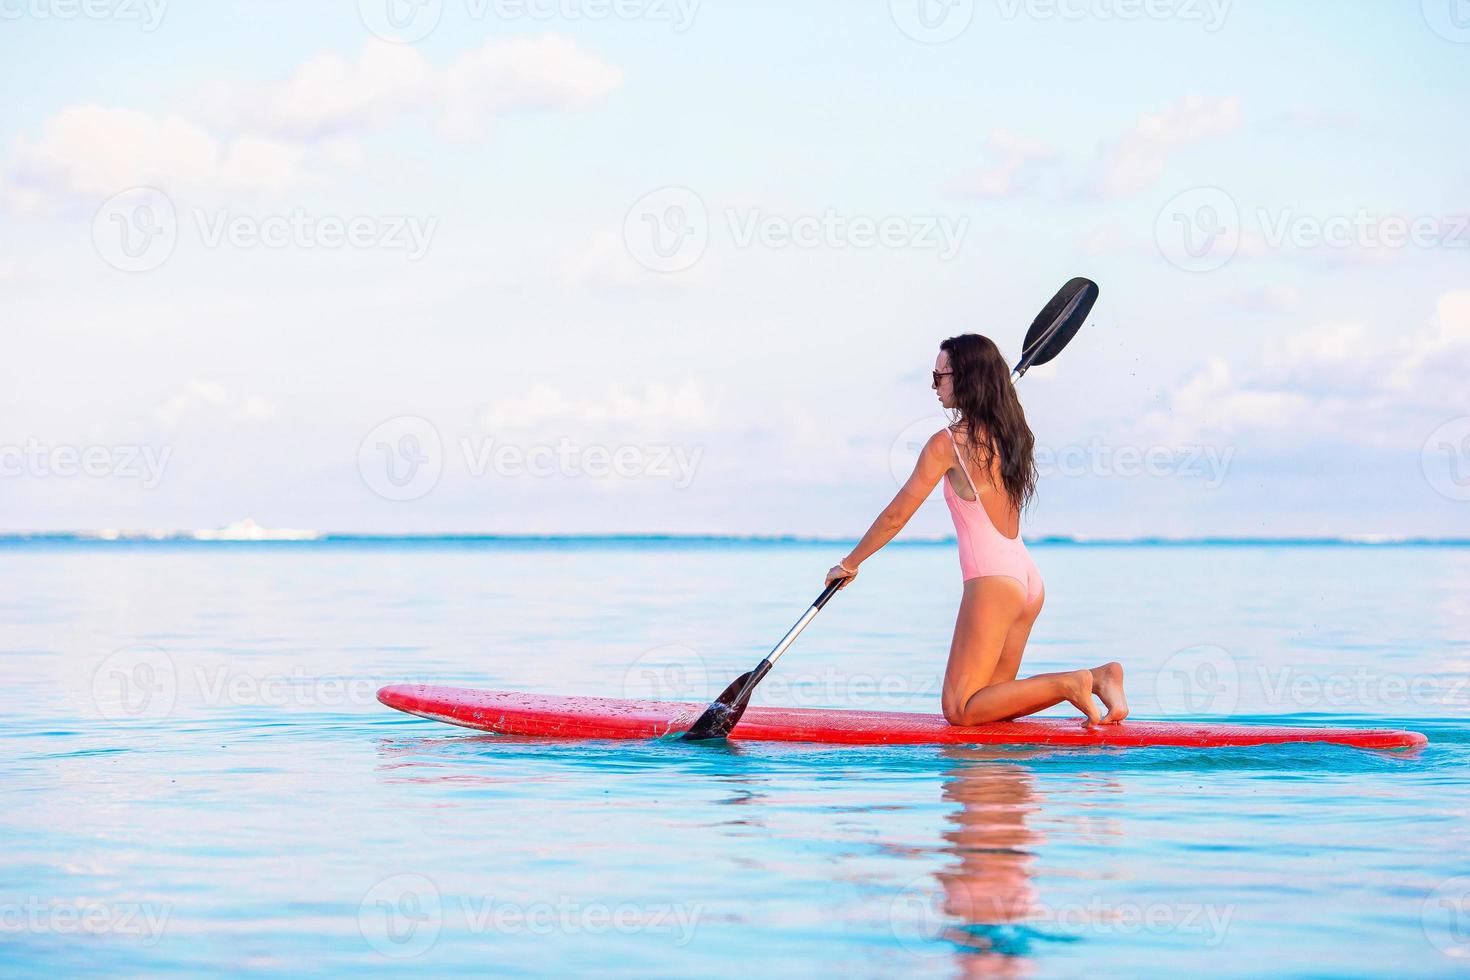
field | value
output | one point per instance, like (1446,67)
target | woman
(986,461)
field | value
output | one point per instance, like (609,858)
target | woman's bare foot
(1077,688)
(1107,684)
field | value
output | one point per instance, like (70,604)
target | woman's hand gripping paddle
(1053,328)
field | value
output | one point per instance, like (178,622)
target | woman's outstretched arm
(929,469)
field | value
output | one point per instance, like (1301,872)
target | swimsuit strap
(961,459)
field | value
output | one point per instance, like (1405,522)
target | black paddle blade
(724,711)
(1057,323)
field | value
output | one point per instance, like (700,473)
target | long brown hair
(991,414)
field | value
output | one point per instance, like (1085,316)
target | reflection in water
(989,904)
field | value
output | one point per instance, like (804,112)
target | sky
(625,266)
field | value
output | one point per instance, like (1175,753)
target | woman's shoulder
(961,433)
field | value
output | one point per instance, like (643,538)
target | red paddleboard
(552,716)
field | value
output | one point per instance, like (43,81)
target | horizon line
(301,537)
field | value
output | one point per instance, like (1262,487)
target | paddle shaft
(806,617)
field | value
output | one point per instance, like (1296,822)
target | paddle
(1053,328)
(1056,324)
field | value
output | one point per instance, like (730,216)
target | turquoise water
(197,777)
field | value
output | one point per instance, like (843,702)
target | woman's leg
(990,635)
(1107,679)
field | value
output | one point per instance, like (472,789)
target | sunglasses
(940,374)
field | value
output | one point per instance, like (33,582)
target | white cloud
(1100,241)
(1210,403)
(270,137)
(331,95)
(1268,299)
(1138,159)
(549,72)
(96,151)
(1335,385)
(602,261)
(1438,361)
(681,406)
(208,397)
(255,408)
(1016,162)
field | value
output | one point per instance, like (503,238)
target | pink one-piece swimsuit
(983,549)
